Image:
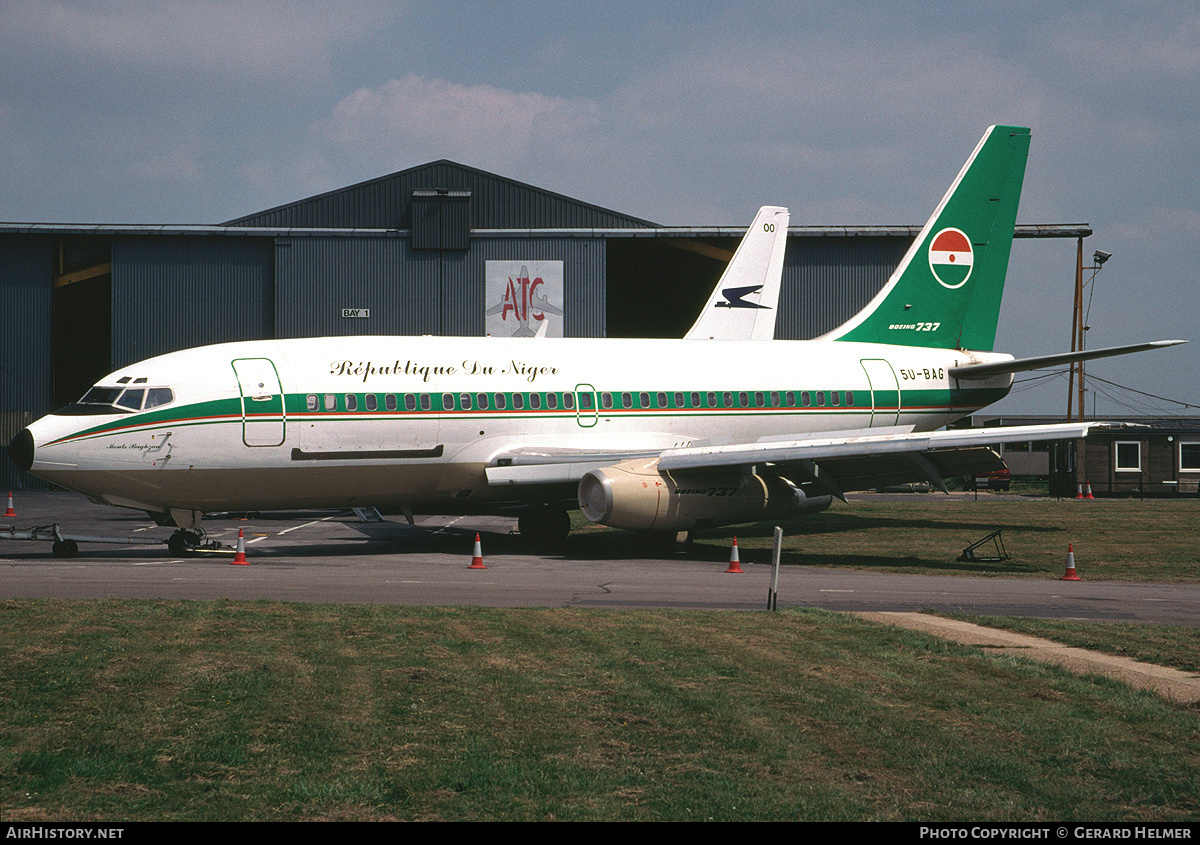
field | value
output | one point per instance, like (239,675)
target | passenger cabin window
(311,402)
(389,402)
(330,402)
(372,402)
(351,402)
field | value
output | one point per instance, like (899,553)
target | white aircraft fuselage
(415,422)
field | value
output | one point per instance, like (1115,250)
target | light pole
(1078,328)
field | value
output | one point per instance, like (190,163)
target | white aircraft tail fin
(744,303)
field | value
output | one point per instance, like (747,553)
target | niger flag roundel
(951,258)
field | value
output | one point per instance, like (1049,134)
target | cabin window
(311,402)
(389,402)
(849,397)
(500,404)
(644,399)
(481,401)
(372,402)
(679,403)
(789,399)
(351,402)
(743,399)
(552,401)
(626,400)
(1189,457)
(535,401)
(447,401)
(569,400)
(1128,456)
(805,398)
(821,398)
(606,400)
(585,401)
(464,401)
(426,402)
(774,398)
(759,399)
(835,398)
(727,400)
(330,402)
(410,402)
(663,403)
(518,401)
(695,400)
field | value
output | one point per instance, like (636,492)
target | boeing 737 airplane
(724,426)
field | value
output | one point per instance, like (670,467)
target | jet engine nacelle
(638,496)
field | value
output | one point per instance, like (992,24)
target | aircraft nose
(20,449)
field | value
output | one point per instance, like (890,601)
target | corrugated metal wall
(172,293)
(415,292)
(317,278)
(26,308)
(828,280)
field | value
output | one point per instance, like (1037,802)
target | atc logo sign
(951,258)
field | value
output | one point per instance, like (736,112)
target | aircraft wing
(867,460)
(838,463)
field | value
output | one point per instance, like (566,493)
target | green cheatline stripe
(229,411)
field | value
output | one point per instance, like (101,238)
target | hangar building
(440,249)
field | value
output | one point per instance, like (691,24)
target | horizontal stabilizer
(982,371)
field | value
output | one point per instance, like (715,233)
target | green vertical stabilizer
(946,291)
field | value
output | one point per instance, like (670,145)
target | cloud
(415,119)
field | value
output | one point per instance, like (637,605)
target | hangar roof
(496,202)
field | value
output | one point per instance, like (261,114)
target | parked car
(999,479)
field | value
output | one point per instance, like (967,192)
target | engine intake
(637,495)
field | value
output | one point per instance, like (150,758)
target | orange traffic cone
(1089,492)
(10,511)
(733,558)
(1079,493)
(240,557)
(477,558)
(1070,576)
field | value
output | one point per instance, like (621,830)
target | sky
(848,113)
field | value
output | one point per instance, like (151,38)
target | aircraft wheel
(544,524)
(65,548)
(183,542)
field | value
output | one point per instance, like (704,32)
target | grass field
(252,711)
(155,710)
(1113,539)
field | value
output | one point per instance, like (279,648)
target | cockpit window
(101,396)
(114,400)
(157,396)
(132,399)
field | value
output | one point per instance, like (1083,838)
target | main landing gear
(544,523)
(186,542)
